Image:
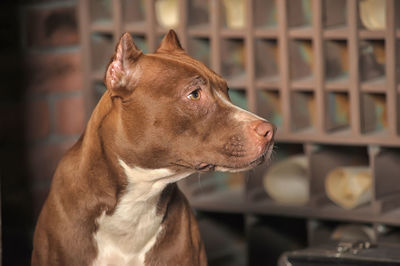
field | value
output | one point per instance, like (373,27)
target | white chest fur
(131,231)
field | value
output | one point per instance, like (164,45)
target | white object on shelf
(287,181)
(373,14)
(234,13)
(167,13)
(349,187)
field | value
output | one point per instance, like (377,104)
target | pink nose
(264,129)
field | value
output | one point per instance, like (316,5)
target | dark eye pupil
(195,94)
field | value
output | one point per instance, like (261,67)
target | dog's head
(173,112)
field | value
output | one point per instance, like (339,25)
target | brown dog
(114,199)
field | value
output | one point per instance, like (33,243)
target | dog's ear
(170,43)
(122,72)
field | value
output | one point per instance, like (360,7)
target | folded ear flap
(122,72)
(170,43)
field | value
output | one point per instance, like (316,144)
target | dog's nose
(264,130)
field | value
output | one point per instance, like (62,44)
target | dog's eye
(195,95)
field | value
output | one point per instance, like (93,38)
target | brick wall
(41,110)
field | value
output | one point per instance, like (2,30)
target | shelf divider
(117,20)
(151,26)
(250,60)
(284,65)
(215,39)
(183,22)
(319,66)
(390,53)
(352,20)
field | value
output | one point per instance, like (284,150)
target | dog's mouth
(206,167)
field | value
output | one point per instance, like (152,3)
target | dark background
(41,110)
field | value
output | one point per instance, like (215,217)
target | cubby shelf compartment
(233,14)
(372,61)
(338,111)
(239,98)
(269,106)
(102,50)
(265,14)
(299,13)
(101,14)
(336,61)
(198,17)
(199,48)
(134,15)
(324,159)
(266,61)
(374,113)
(303,113)
(301,60)
(233,61)
(386,173)
(334,15)
(372,15)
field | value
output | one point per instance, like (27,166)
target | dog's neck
(128,231)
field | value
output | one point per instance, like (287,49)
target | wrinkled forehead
(180,69)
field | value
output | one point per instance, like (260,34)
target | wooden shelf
(267,33)
(339,33)
(306,83)
(341,84)
(377,85)
(328,211)
(233,33)
(201,31)
(268,82)
(238,82)
(372,35)
(161,31)
(102,27)
(226,201)
(380,139)
(233,202)
(301,33)
(136,27)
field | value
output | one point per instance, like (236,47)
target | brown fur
(147,120)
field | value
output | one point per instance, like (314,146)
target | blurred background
(42,110)
(326,72)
